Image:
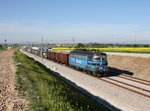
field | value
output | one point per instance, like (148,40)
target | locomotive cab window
(96,57)
(100,57)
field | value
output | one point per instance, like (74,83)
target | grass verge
(2,49)
(47,92)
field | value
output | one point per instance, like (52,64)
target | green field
(2,49)
(46,92)
(115,49)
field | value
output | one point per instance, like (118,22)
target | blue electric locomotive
(91,61)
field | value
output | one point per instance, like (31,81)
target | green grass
(46,92)
(2,49)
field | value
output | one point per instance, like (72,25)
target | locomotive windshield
(96,57)
(100,57)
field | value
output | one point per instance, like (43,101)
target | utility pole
(73,42)
(5,41)
(135,38)
(41,47)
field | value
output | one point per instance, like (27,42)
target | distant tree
(146,45)
(128,45)
(135,45)
(103,46)
(80,45)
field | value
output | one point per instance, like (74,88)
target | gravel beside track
(102,91)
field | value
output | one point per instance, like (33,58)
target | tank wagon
(91,61)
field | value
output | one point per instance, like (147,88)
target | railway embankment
(47,92)
(134,64)
(110,95)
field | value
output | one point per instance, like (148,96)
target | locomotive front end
(100,63)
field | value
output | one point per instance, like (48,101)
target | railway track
(138,86)
(135,79)
(132,84)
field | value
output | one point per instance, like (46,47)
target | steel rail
(135,79)
(129,85)
(126,88)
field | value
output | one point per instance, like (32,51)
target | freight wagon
(59,56)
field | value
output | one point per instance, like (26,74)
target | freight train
(94,62)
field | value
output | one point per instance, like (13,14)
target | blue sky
(103,21)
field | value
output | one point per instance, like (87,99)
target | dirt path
(9,100)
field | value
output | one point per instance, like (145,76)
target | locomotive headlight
(97,67)
(100,67)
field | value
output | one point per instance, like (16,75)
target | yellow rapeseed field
(126,49)
(114,49)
